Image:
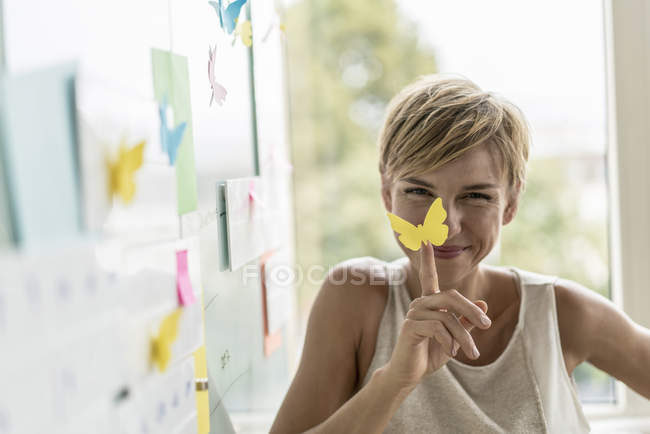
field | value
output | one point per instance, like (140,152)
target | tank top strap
(392,317)
(397,286)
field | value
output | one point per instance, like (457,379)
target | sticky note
(244,228)
(432,229)
(183,282)
(38,149)
(171,78)
(202,402)
(161,345)
(121,173)
(203,410)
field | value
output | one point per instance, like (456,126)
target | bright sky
(546,57)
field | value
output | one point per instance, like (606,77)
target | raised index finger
(428,272)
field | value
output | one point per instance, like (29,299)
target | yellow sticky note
(202,396)
(203,411)
(245,32)
(161,345)
(200,365)
(432,229)
(121,172)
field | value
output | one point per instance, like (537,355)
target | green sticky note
(171,79)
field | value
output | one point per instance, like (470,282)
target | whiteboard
(245,137)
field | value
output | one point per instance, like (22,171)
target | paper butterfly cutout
(432,230)
(218,91)
(229,14)
(170,140)
(161,344)
(121,172)
(245,31)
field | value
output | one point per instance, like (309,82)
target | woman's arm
(370,410)
(320,398)
(598,331)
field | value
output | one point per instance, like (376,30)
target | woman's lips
(448,252)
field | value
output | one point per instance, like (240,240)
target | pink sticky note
(183,283)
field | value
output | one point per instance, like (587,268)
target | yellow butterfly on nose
(432,229)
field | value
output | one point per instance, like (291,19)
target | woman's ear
(513,205)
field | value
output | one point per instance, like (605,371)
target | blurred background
(347,59)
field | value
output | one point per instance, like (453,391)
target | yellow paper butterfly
(122,171)
(432,230)
(161,345)
(245,32)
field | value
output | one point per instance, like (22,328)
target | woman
(407,350)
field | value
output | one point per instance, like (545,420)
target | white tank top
(527,389)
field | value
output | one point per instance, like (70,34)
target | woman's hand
(436,325)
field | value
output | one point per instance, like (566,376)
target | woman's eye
(479,196)
(417,191)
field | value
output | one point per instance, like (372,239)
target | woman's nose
(453,222)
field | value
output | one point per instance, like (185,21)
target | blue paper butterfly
(170,140)
(229,14)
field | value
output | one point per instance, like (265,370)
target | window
(558,79)
(350,61)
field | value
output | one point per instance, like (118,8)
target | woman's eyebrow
(418,182)
(479,186)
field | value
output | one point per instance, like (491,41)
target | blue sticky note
(38,146)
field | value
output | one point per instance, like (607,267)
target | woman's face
(477,203)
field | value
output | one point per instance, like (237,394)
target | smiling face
(478,202)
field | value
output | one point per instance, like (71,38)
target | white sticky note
(245,208)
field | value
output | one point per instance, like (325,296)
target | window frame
(627,33)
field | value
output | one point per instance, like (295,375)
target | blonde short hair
(439,117)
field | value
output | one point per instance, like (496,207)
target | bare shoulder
(363,283)
(579,311)
(358,288)
(359,278)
